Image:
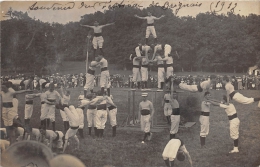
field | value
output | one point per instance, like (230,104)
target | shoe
(234,151)
(142,142)
(150,137)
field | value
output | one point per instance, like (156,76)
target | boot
(102,91)
(81,133)
(138,85)
(162,85)
(155,41)
(145,84)
(114,131)
(146,41)
(202,141)
(94,52)
(89,130)
(172,136)
(101,133)
(167,163)
(53,126)
(102,52)
(48,123)
(26,122)
(108,91)
(96,131)
(85,93)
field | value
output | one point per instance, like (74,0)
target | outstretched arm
(86,26)
(157,18)
(140,17)
(108,24)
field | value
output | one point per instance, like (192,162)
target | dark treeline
(207,42)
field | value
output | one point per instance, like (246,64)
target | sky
(76,9)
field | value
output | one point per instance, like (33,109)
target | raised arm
(144,18)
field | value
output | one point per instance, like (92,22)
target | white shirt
(229,88)
(205,106)
(72,116)
(103,63)
(229,109)
(205,85)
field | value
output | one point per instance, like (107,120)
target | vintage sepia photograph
(130,83)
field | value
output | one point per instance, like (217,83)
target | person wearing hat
(104,76)
(136,70)
(65,99)
(98,39)
(167,106)
(174,115)
(205,85)
(234,122)
(52,97)
(150,26)
(175,148)
(90,76)
(204,119)
(145,115)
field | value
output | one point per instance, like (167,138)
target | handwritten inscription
(54,6)
(215,7)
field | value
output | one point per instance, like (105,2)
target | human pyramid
(100,104)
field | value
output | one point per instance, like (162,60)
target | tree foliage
(206,42)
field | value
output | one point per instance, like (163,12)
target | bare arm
(157,18)
(107,24)
(139,113)
(187,154)
(86,26)
(152,110)
(144,18)
(227,98)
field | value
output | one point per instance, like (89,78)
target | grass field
(126,149)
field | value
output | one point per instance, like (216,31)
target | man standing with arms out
(104,76)
(233,120)
(167,106)
(90,77)
(175,116)
(98,39)
(136,70)
(205,85)
(146,111)
(232,94)
(175,148)
(9,115)
(204,119)
(52,96)
(150,26)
